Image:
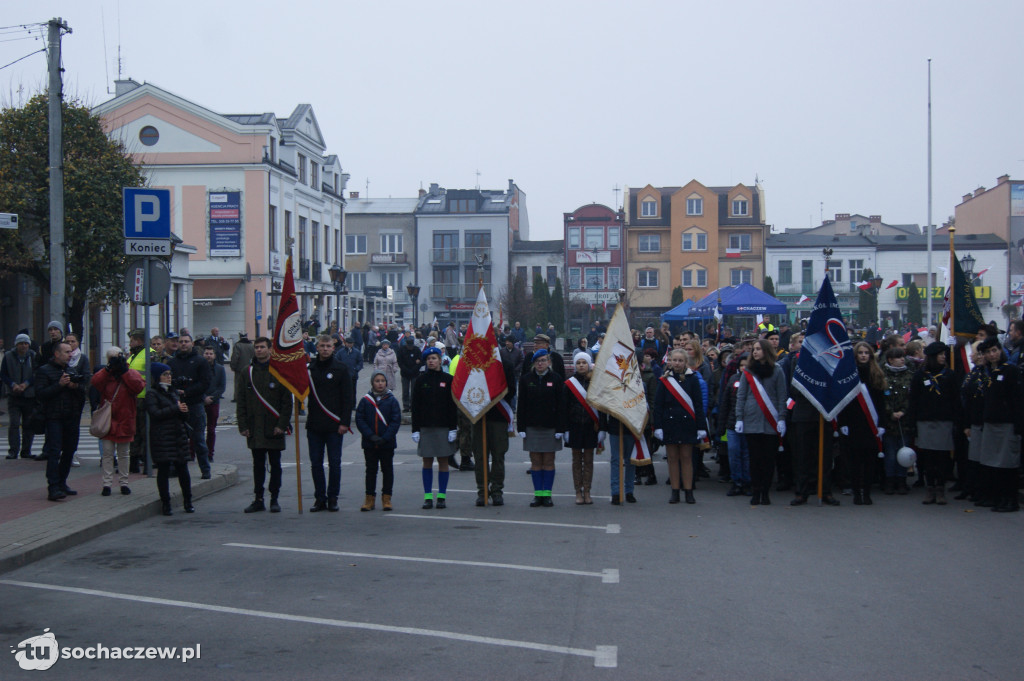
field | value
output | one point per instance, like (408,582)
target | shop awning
(211,291)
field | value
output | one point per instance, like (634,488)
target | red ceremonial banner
(288,356)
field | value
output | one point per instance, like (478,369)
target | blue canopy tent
(679,313)
(738,300)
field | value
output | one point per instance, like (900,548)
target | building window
(337,246)
(574,237)
(647,278)
(613,238)
(785,271)
(695,206)
(536,273)
(702,278)
(462,206)
(737,276)
(552,275)
(695,277)
(856,270)
(301,163)
(392,279)
(315,233)
(272,227)
(593,237)
(648,243)
(835,271)
(574,278)
(391,243)
(740,241)
(649,208)
(356,281)
(478,239)
(593,278)
(355,244)
(739,207)
(521,273)
(288,235)
(273,150)
(314,176)
(327,244)
(302,237)
(695,241)
(687,278)
(614,278)
(149,135)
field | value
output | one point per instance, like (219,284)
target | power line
(25,57)
(25,26)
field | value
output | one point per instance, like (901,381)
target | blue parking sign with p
(147,213)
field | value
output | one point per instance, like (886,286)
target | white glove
(558,436)
(738,427)
(565,436)
(522,436)
(881,432)
(845,430)
(781,427)
(511,429)
(416,437)
(452,434)
(601,435)
(660,434)
(701,434)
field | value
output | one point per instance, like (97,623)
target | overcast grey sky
(824,101)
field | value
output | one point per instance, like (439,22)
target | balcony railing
(455,256)
(389,258)
(304,268)
(470,254)
(457,291)
(317,271)
(798,288)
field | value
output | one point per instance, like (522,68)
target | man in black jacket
(191,378)
(409,363)
(61,400)
(329,417)
(16,373)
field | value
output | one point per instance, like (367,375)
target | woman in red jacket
(119,385)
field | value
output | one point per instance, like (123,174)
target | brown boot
(577,476)
(369,503)
(385,502)
(588,478)
(940,495)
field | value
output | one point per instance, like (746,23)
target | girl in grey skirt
(1002,425)
(542,423)
(934,395)
(435,423)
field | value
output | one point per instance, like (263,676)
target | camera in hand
(181,382)
(117,365)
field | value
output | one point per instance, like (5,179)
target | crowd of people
(726,400)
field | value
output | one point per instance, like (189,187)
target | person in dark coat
(119,385)
(168,437)
(352,358)
(263,411)
(857,439)
(543,342)
(378,418)
(61,400)
(1002,424)
(193,375)
(329,417)
(584,434)
(409,363)
(541,422)
(674,424)
(214,394)
(18,367)
(55,334)
(241,358)
(934,398)
(434,425)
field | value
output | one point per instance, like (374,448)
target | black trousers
(163,474)
(934,464)
(384,458)
(259,471)
(763,449)
(861,452)
(803,443)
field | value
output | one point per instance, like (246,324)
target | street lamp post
(414,293)
(967,265)
(338,276)
(876,286)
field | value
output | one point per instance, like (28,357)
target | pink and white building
(243,187)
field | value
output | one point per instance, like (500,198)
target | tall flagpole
(298,455)
(928,227)
(952,299)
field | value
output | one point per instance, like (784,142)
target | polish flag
(977,275)
(802,300)
(733,252)
(863,285)
(894,282)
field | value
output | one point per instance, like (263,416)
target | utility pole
(55,100)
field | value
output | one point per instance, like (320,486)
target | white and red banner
(616,387)
(288,356)
(479,381)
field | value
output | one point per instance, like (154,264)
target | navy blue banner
(225,224)
(826,371)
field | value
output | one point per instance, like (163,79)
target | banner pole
(622,466)
(952,300)
(298,456)
(483,450)
(821,456)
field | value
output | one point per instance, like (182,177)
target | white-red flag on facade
(479,381)
(615,385)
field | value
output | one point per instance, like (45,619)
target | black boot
(858,497)
(688,493)
(256,506)
(318,505)
(674,499)
(467,464)
(453,463)
(765,500)
(165,507)
(755,498)
(866,496)
(274,506)
(187,505)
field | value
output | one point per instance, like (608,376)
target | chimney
(968,197)
(423,192)
(979,191)
(434,189)
(1002,178)
(123,87)
(353,195)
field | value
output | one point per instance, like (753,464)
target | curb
(226,477)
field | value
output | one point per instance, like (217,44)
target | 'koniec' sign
(225,224)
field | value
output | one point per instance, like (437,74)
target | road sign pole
(145,440)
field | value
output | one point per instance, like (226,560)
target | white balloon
(906,457)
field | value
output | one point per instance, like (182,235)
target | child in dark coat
(378,418)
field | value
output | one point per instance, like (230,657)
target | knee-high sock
(428,480)
(549,481)
(538,481)
(442,483)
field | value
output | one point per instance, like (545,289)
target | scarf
(895,370)
(75,358)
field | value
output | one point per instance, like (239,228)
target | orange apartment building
(697,237)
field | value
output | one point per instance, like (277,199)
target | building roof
(547,246)
(387,206)
(488,201)
(897,242)
(724,218)
(252,119)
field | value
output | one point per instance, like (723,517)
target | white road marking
(603,656)
(524,494)
(611,528)
(607,575)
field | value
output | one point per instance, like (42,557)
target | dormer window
(695,205)
(649,208)
(739,207)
